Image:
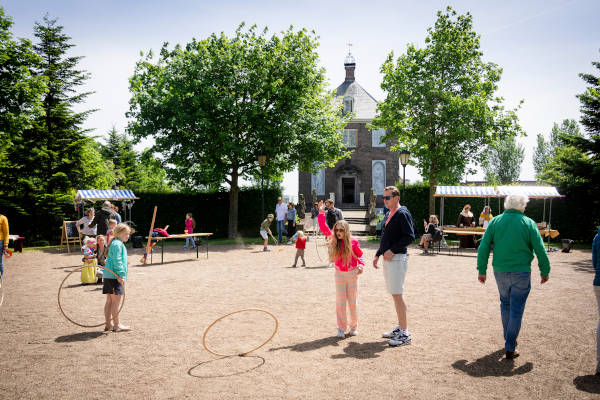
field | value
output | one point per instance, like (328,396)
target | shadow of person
(492,365)
(312,345)
(587,383)
(362,350)
(79,337)
(230,365)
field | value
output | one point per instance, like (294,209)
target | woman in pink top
(346,254)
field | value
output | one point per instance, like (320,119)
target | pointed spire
(349,64)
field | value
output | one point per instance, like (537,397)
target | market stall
(126,197)
(486,192)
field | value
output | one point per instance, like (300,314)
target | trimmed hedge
(41,224)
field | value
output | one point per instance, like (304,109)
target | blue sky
(541,45)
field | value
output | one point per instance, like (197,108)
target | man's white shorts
(263,233)
(394,272)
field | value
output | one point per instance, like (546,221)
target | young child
(190,224)
(112,223)
(264,230)
(88,271)
(347,257)
(301,240)
(114,285)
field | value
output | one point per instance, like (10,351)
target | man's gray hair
(107,203)
(516,202)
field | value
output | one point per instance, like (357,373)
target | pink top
(356,251)
(189,225)
(390,215)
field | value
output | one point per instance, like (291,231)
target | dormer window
(348,105)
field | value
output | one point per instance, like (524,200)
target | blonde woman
(429,230)
(114,286)
(346,255)
(485,216)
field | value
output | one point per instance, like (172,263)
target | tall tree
(441,102)
(502,161)
(575,167)
(21,91)
(215,105)
(119,149)
(546,149)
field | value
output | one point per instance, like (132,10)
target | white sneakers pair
(398,336)
(341,334)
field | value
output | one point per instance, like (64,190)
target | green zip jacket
(515,238)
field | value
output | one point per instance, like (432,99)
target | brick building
(372,164)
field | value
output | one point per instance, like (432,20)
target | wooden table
(162,239)
(473,230)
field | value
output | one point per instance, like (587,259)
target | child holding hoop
(346,254)
(114,285)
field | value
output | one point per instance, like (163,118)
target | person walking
(515,238)
(396,234)
(280,214)
(291,222)
(596,263)
(332,214)
(101,218)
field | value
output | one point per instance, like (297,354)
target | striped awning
(94,195)
(465,191)
(539,192)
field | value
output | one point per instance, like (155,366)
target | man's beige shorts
(394,272)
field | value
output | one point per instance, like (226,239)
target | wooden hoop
(77,323)
(236,312)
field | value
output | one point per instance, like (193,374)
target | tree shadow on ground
(312,345)
(79,337)
(192,371)
(492,365)
(362,351)
(583,266)
(587,383)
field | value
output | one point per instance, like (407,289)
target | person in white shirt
(280,214)
(83,225)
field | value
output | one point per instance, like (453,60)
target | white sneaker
(401,339)
(340,333)
(353,332)
(391,334)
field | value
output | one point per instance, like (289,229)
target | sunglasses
(388,197)
(338,230)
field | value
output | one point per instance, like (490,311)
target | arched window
(348,104)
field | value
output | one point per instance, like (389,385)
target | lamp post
(262,160)
(404,157)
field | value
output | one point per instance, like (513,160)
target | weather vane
(349,47)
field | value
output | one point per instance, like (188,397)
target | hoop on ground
(77,323)
(237,312)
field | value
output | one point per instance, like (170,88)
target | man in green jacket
(515,238)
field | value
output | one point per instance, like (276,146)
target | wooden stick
(148,245)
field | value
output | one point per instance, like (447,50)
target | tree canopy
(502,161)
(214,105)
(441,102)
(546,148)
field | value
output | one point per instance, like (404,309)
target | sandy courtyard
(455,322)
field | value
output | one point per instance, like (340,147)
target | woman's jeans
(514,288)
(597,292)
(1,257)
(190,239)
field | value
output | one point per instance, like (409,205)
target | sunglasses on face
(388,197)
(338,230)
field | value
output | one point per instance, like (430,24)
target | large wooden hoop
(246,352)
(77,323)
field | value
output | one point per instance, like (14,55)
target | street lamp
(404,157)
(262,160)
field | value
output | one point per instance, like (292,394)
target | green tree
(214,105)
(502,162)
(546,149)
(575,167)
(441,102)
(152,174)
(21,91)
(119,150)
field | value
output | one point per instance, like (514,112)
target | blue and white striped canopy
(531,191)
(94,195)
(465,191)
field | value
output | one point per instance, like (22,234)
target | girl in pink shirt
(190,224)
(346,254)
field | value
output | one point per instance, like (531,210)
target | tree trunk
(432,186)
(233,206)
